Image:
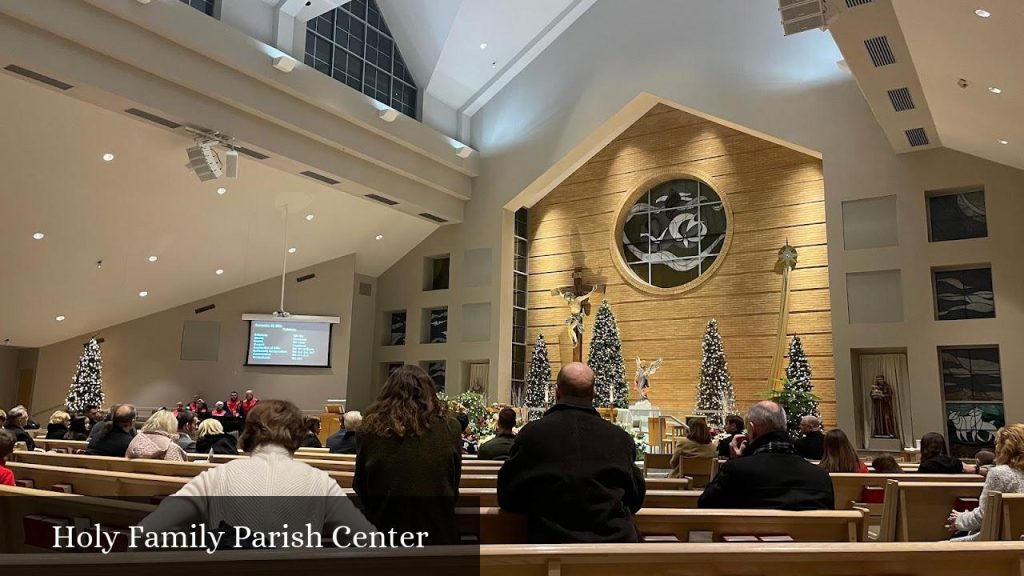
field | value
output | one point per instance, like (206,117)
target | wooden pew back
(113,464)
(849,487)
(99,483)
(917,511)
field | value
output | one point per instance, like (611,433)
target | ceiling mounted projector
(204,162)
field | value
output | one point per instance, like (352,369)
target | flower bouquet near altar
(639,438)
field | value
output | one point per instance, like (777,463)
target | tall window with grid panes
(352,44)
(519,276)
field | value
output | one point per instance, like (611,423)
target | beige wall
(141,358)
(8,377)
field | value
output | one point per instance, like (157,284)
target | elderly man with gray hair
(344,441)
(766,471)
(812,444)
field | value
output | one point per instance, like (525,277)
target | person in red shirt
(193,406)
(250,402)
(6,447)
(218,409)
(234,404)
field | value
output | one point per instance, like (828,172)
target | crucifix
(577,296)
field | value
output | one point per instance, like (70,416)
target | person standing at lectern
(572,472)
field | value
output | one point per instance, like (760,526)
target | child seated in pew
(6,448)
(1007,476)
(984,459)
(886,464)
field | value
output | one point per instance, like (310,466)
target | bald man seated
(811,444)
(766,472)
(572,472)
(114,435)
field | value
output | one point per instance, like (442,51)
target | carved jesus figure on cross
(576,296)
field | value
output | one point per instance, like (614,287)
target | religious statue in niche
(644,371)
(576,296)
(883,417)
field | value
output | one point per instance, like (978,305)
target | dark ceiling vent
(433,218)
(381,199)
(917,137)
(855,3)
(37,77)
(206,308)
(251,153)
(305,277)
(320,177)
(879,50)
(901,99)
(365,289)
(153,118)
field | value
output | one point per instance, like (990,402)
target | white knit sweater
(262,492)
(1001,479)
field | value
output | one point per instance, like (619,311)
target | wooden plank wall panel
(775,194)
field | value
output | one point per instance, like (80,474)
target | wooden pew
(113,464)
(849,487)
(99,483)
(805,559)
(1004,517)
(917,511)
(497,527)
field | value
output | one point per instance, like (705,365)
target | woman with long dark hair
(408,459)
(839,455)
(935,459)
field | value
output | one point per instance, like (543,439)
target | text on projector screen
(283,343)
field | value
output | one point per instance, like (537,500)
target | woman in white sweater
(266,491)
(1007,477)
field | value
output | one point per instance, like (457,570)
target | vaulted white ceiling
(145,203)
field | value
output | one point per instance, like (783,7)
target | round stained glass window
(674,233)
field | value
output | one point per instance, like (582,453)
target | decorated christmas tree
(796,396)
(605,359)
(538,381)
(715,397)
(87,383)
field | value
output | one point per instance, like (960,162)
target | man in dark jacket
(766,471)
(733,426)
(113,437)
(572,472)
(344,441)
(497,448)
(812,444)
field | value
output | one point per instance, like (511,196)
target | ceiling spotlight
(309,217)
(995,89)
(152,258)
(483,46)
(1003,141)
(388,114)
(203,160)
(108,157)
(222,191)
(463,151)
(143,294)
(982,13)
(60,318)
(38,236)
(379,237)
(494,64)
(285,63)
(292,250)
(219,272)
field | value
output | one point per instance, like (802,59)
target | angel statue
(643,374)
(575,320)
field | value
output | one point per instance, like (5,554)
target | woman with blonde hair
(58,425)
(212,439)
(158,439)
(839,455)
(1007,476)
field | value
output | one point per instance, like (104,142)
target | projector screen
(289,343)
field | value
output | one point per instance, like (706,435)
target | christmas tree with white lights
(538,381)
(605,359)
(87,383)
(715,397)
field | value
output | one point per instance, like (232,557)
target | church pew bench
(499,527)
(849,487)
(113,464)
(776,559)
(917,511)
(99,483)
(1004,517)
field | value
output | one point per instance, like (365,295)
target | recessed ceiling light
(219,271)
(483,46)
(995,89)
(60,318)
(1003,141)
(494,64)
(222,191)
(38,236)
(108,157)
(152,258)
(143,294)
(292,250)
(982,13)
(309,217)
(380,237)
